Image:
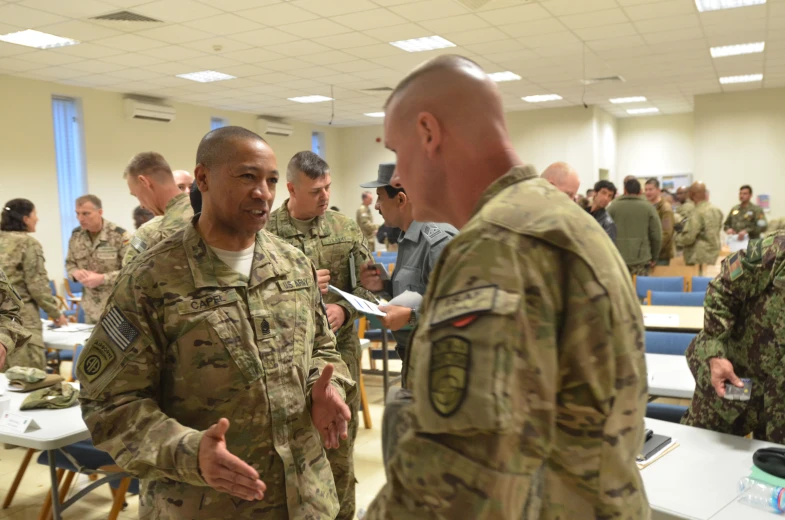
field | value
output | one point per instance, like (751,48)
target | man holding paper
(418,249)
(336,246)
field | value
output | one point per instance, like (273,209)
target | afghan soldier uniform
(749,218)
(12,332)
(701,235)
(665,212)
(22,259)
(102,254)
(177,215)
(365,221)
(775,225)
(185,341)
(743,324)
(334,242)
(526,370)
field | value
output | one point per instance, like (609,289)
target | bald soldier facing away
(700,236)
(220,322)
(526,371)
(564,177)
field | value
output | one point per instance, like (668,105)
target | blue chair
(52,287)
(80,317)
(673,343)
(700,283)
(690,299)
(73,290)
(644,284)
(665,412)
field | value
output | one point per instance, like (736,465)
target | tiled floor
(96,505)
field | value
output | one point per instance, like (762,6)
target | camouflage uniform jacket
(665,212)
(749,218)
(365,221)
(333,240)
(22,259)
(701,235)
(103,255)
(527,371)
(12,331)
(185,341)
(177,215)
(744,324)
(686,209)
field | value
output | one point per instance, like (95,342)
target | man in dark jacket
(604,193)
(639,232)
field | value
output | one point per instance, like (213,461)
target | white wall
(656,145)
(605,144)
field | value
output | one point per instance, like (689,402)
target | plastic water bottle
(761,495)
(361,514)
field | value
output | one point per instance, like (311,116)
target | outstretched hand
(329,413)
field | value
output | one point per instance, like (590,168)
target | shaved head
(564,177)
(445,122)
(698,192)
(183,180)
(217,144)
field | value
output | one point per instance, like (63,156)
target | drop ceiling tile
(169,69)
(218,45)
(176,11)
(18,15)
(606,31)
(231,6)
(328,9)
(367,20)
(670,23)
(253,56)
(649,10)
(544,40)
(566,7)
(88,50)
(487,34)
(671,36)
(172,53)
(135,74)
(347,41)
(756,27)
(286,64)
(464,22)
(263,37)
(734,17)
(328,58)
(616,43)
(9,49)
(553,51)
(395,33)
(245,70)
(298,48)
(132,60)
(314,28)
(78,30)
(55,73)
(175,34)
(210,62)
(17,65)
(430,10)
(492,47)
(776,9)
(71,9)
(101,80)
(733,38)
(354,66)
(523,13)
(224,24)
(524,29)
(130,43)
(278,14)
(597,18)
(301,84)
(96,66)
(313,72)
(378,50)
(45,57)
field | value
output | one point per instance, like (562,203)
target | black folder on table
(653,446)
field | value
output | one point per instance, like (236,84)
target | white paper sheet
(734,244)
(361,305)
(660,320)
(409,299)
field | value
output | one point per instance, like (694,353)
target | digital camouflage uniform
(744,324)
(365,221)
(12,332)
(749,218)
(527,371)
(22,259)
(185,341)
(686,209)
(665,212)
(177,215)
(334,239)
(103,255)
(700,237)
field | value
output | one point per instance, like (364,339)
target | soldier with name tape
(746,219)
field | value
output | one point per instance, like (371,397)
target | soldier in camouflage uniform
(336,247)
(22,259)
(686,206)
(95,255)
(12,332)
(150,180)
(188,341)
(742,338)
(365,220)
(527,368)
(745,218)
(700,236)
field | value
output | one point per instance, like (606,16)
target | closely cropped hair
(14,212)
(392,191)
(309,163)
(653,182)
(89,198)
(149,164)
(212,148)
(633,187)
(746,187)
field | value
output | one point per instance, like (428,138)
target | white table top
(699,479)
(66,338)
(688,319)
(669,376)
(58,428)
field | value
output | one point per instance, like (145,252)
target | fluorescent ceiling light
(542,98)
(206,76)
(634,99)
(37,39)
(310,99)
(737,50)
(749,78)
(375,114)
(715,5)
(504,76)
(427,43)
(635,111)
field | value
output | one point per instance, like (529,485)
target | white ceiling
(280,49)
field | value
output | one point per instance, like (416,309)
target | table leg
(55,495)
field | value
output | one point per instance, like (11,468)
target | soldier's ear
(200,177)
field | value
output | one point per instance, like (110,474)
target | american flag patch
(121,332)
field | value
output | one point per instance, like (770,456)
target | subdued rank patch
(97,359)
(755,251)
(106,253)
(139,244)
(265,328)
(448,378)
(119,330)
(456,305)
(291,285)
(736,269)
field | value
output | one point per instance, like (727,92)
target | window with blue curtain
(69,158)
(317,143)
(217,122)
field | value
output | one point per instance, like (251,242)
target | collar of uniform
(208,271)
(288,230)
(177,199)
(102,236)
(514,176)
(413,233)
